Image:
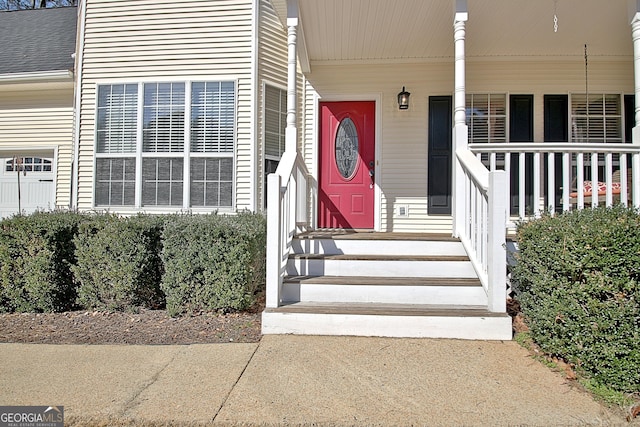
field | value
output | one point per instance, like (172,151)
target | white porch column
(635,135)
(291,132)
(460,132)
(281,212)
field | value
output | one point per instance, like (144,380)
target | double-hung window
(167,144)
(487,118)
(598,120)
(275,123)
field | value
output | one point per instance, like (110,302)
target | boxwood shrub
(213,262)
(119,265)
(36,258)
(577,277)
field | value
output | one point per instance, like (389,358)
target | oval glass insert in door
(346,148)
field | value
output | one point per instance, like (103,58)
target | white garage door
(36,185)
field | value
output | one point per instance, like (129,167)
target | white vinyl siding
(169,41)
(41,118)
(182,123)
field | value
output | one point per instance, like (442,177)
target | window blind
(117,118)
(212,117)
(275,121)
(487,117)
(163,130)
(598,120)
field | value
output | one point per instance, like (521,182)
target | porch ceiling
(422,30)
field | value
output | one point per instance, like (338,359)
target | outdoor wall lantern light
(403,99)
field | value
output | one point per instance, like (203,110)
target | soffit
(415,30)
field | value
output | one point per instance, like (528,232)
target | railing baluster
(474,220)
(478,231)
(551,183)
(521,185)
(624,185)
(566,181)
(507,193)
(580,179)
(608,174)
(635,187)
(536,185)
(594,180)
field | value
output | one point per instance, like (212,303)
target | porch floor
(351,234)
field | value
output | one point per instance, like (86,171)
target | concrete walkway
(292,380)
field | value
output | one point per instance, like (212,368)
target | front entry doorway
(346,193)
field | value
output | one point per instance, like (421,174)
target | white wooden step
(379,265)
(377,247)
(397,290)
(387,320)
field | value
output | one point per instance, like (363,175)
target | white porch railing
(506,182)
(551,176)
(287,213)
(483,231)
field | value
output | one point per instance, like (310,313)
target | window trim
(187,155)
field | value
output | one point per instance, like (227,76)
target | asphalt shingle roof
(37,40)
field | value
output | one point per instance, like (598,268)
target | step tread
(362,257)
(373,235)
(382,281)
(381,309)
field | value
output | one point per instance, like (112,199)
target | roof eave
(37,76)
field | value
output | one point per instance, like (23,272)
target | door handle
(372,173)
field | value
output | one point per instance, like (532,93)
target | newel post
(274,241)
(460,131)
(497,257)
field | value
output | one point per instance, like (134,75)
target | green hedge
(119,265)
(36,257)
(213,262)
(62,261)
(577,277)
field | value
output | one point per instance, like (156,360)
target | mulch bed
(145,327)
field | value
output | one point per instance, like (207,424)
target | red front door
(347,164)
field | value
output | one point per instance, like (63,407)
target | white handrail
(553,147)
(484,231)
(287,213)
